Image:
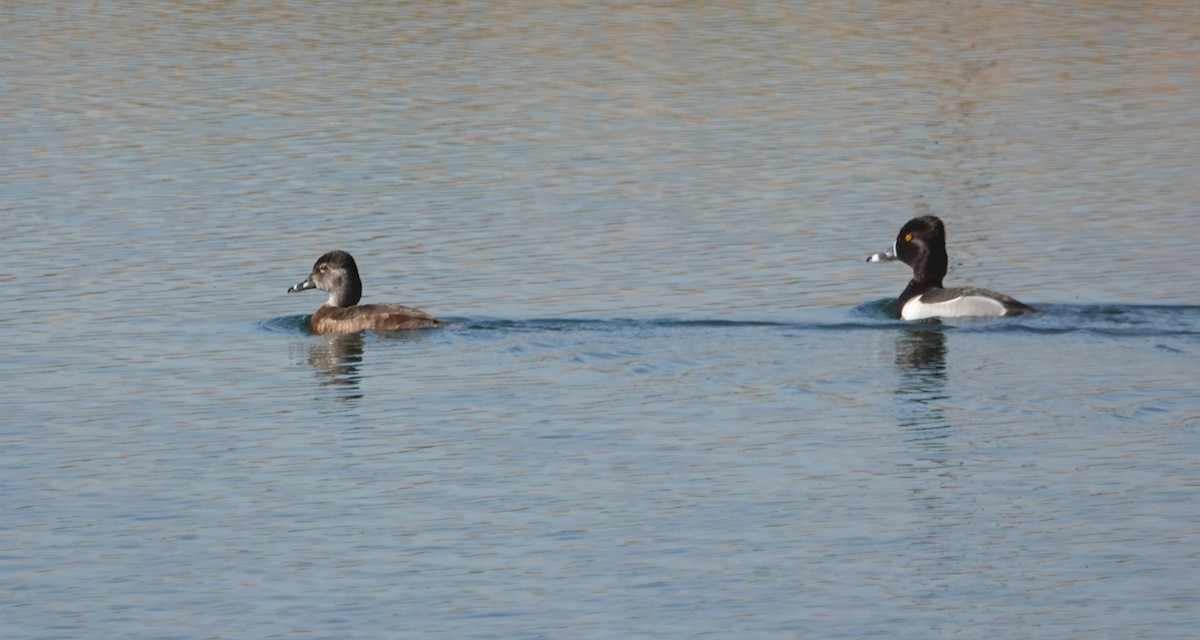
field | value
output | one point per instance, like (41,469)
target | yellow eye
(908,237)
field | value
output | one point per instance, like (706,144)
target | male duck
(337,273)
(921,244)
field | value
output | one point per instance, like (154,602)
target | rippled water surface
(674,401)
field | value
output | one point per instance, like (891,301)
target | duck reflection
(933,469)
(338,363)
(921,363)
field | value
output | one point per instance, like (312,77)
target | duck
(921,244)
(337,273)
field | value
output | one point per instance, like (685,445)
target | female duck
(337,273)
(921,244)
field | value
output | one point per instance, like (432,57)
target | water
(674,401)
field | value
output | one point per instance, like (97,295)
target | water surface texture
(674,401)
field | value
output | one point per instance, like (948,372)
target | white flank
(956,308)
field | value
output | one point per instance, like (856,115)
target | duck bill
(307,284)
(886,256)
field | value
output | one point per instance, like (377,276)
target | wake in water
(1110,320)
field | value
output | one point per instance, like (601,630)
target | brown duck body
(374,317)
(337,273)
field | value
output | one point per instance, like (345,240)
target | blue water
(673,400)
